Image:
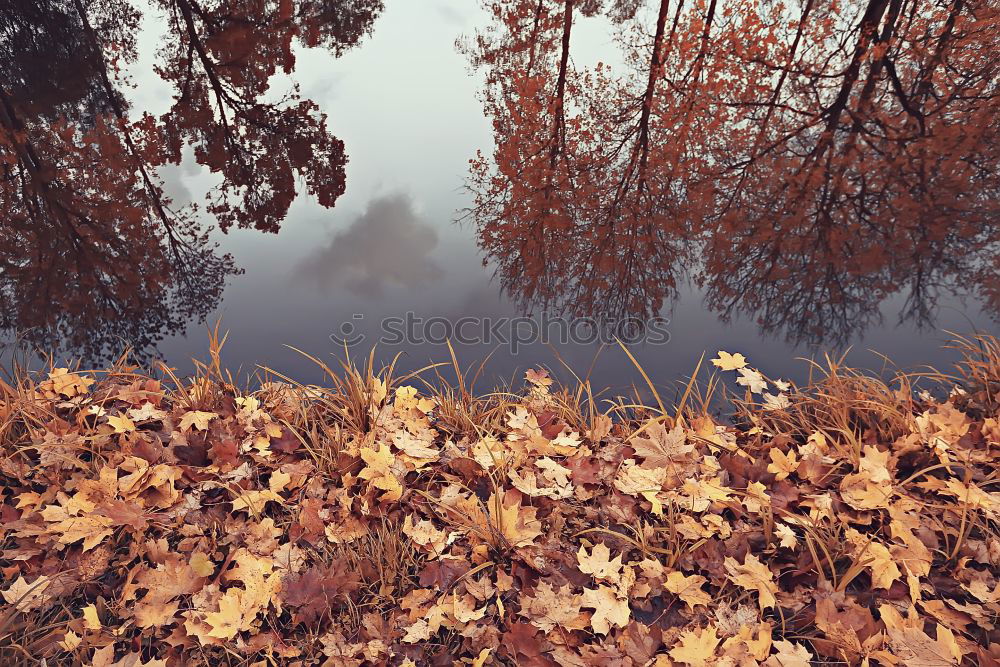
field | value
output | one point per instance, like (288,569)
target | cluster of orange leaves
(147,525)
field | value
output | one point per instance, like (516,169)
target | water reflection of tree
(817,159)
(871,169)
(93,253)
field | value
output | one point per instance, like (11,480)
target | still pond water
(780,181)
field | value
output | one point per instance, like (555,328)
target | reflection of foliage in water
(93,254)
(816,158)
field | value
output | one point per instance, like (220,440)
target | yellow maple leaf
(121,424)
(789,655)
(548,607)
(202,564)
(971,494)
(752,380)
(69,384)
(480,660)
(154,612)
(278,481)
(27,596)
(92,528)
(703,492)
(753,576)
(464,608)
(756,498)
(696,647)
(729,362)
(782,465)
(70,641)
(418,451)
(196,419)
(662,447)
(516,523)
(378,391)
(419,631)
(757,645)
(916,649)
(688,588)
(609,610)
(238,608)
(231,618)
(877,557)
(259,579)
(133,659)
(254,500)
(489,451)
(378,471)
(599,562)
(635,480)
(566,443)
(426,535)
(860,492)
(786,536)
(151,486)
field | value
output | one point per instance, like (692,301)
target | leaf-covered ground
(853,521)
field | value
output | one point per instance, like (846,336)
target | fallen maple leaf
(662,448)
(609,610)
(549,607)
(782,465)
(91,620)
(92,528)
(696,647)
(877,557)
(752,380)
(70,641)
(729,362)
(599,562)
(789,655)
(69,384)
(121,424)
(516,523)
(235,614)
(635,480)
(26,596)
(688,588)
(202,565)
(463,608)
(539,377)
(786,536)
(484,655)
(378,471)
(197,420)
(753,576)
(916,649)
(254,500)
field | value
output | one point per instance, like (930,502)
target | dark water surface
(734,175)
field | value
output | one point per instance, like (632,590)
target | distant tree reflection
(93,253)
(871,167)
(803,163)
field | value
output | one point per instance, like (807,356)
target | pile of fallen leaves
(848,522)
